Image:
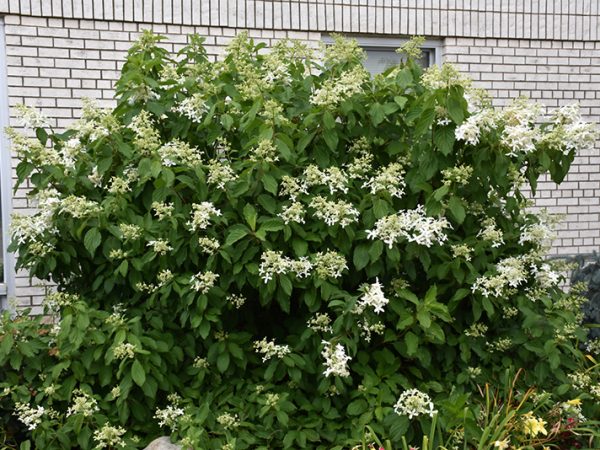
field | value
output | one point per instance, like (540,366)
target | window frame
(7,286)
(393,43)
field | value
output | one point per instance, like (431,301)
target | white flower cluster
(228,421)
(320,322)
(335,90)
(330,264)
(208,245)
(124,350)
(332,177)
(336,360)
(412,225)
(291,187)
(569,132)
(470,130)
(109,436)
(361,165)
(520,134)
(220,173)
(389,179)
(179,151)
(264,151)
(201,215)
(546,276)
(332,212)
(413,403)
(31,417)
(269,349)
(491,233)
(236,300)
(203,281)
(462,251)
(538,233)
(293,213)
(95,123)
(444,77)
(130,232)
(162,210)
(459,175)
(160,246)
(367,329)
(147,138)
(511,272)
(31,118)
(83,404)
(275,263)
(373,297)
(193,107)
(79,207)
(499,345)
(169,416)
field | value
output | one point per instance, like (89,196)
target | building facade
(55,52)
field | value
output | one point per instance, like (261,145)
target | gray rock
(162,443)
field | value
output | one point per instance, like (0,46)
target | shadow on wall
(588,272)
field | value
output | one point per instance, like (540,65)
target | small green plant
(276,251)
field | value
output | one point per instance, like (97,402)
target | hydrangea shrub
(276,250)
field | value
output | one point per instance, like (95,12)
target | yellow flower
(574,402)
(502,445)
(533,426)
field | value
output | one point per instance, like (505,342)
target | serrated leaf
(401,101)
(357,407)
(361,256)
(377,113)
(92,240)
(138,374)
(269,183)
(457,209)
(235,233)
(444,139)
(250,215)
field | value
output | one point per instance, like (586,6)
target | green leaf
(331,139)
(456,106)
(223,362)
(269,183)
(92,240)
(377,113)
(361,256)
(424,319)
(250,215)
(304,141)
(457,209)
(235,233)
(42,136)
(137,373)
(300,246)
(401,101)
(226,121)
(328,120)
(357,407)
(444,139)
(412,343)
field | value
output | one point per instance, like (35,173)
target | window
(7,268)
(381,52)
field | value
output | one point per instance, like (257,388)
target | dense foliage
(277,250)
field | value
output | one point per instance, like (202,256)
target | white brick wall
(554,73)
(54,61)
